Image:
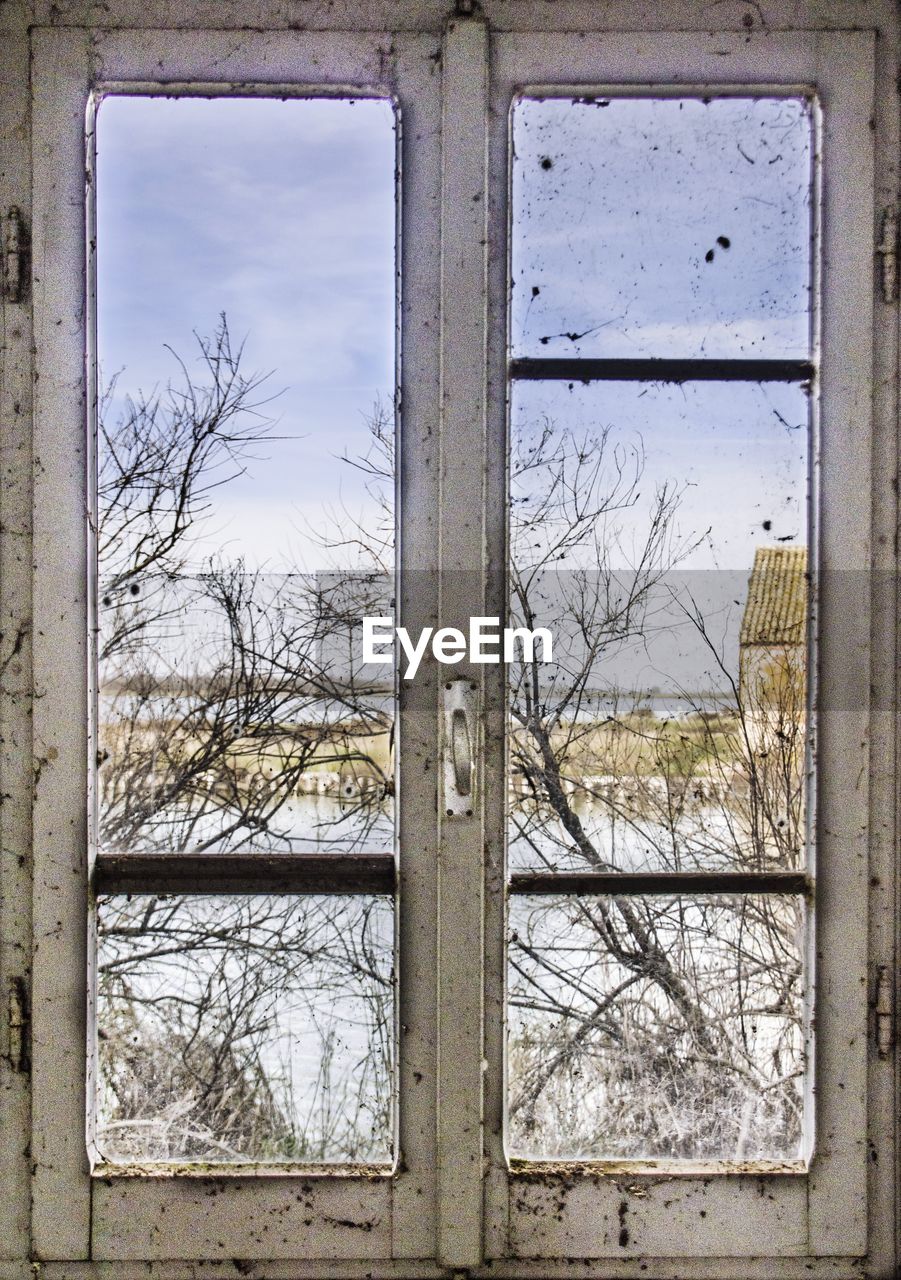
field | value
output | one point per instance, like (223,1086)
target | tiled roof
(776,609)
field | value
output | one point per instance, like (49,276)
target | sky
(652,227)
(672,228)
(281,214)
(641,227)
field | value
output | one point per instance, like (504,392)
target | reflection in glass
(675,227)
(660,533)
(237,1029)
(245,472)
(655,1027)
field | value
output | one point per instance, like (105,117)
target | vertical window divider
(461,588)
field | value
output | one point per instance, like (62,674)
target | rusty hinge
(15,255)
(884,1011)
(18,1023)
(887,250)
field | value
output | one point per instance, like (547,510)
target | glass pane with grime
(659,533)
(661,227)
(246,1029)
(656,1028)
(245,276)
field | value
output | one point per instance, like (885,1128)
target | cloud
(737,454)
(282,214)
(662,227)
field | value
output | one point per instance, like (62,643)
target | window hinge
(884,1011)
(888,252)
(19,1024)
(15,254)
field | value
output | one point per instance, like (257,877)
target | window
(620,1206)
(664,341)
(241,751)
(657,837)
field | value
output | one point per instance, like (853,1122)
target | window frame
(251,870)
(577,1210)
(438,1206)
(116,1215)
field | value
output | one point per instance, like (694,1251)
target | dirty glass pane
(245,477)
(655,1027)
(676,227)
(236,1029)
(659,532)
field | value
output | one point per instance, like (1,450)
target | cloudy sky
(641,227)
(280,214)
(661,227)
(672,228)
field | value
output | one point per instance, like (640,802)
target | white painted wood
(156,1218)
(217,1218)
(60,1224)
(320,59)
(414,1209)
(793,1214)
(844,75)
(683,1216)
(15,649)
(503,15)
(275,1216)
(637,1269)
(882,1111)
(496,1199)
(463,371)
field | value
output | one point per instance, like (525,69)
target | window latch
(887,250)
(14,255)
(884,1012)
(460,700)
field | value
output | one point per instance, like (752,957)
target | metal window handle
(461,752)
(459,748)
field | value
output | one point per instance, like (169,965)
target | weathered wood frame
(221,1223)
(347,1212)
(573,1210)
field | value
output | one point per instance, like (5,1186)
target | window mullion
(461,587)
(638,882)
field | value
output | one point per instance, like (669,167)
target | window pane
(659,533)
(246,280)
(656,1028)
(236,1029)
(661,227)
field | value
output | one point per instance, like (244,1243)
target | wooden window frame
(105,1214)
(578,1211)
(452,1204)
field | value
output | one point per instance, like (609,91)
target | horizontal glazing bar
(683,882)
(247,872)
(575,369)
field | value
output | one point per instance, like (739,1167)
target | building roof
(776,608)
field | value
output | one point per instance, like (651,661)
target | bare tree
(246,1028)
(659,1026)
(229,1028)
